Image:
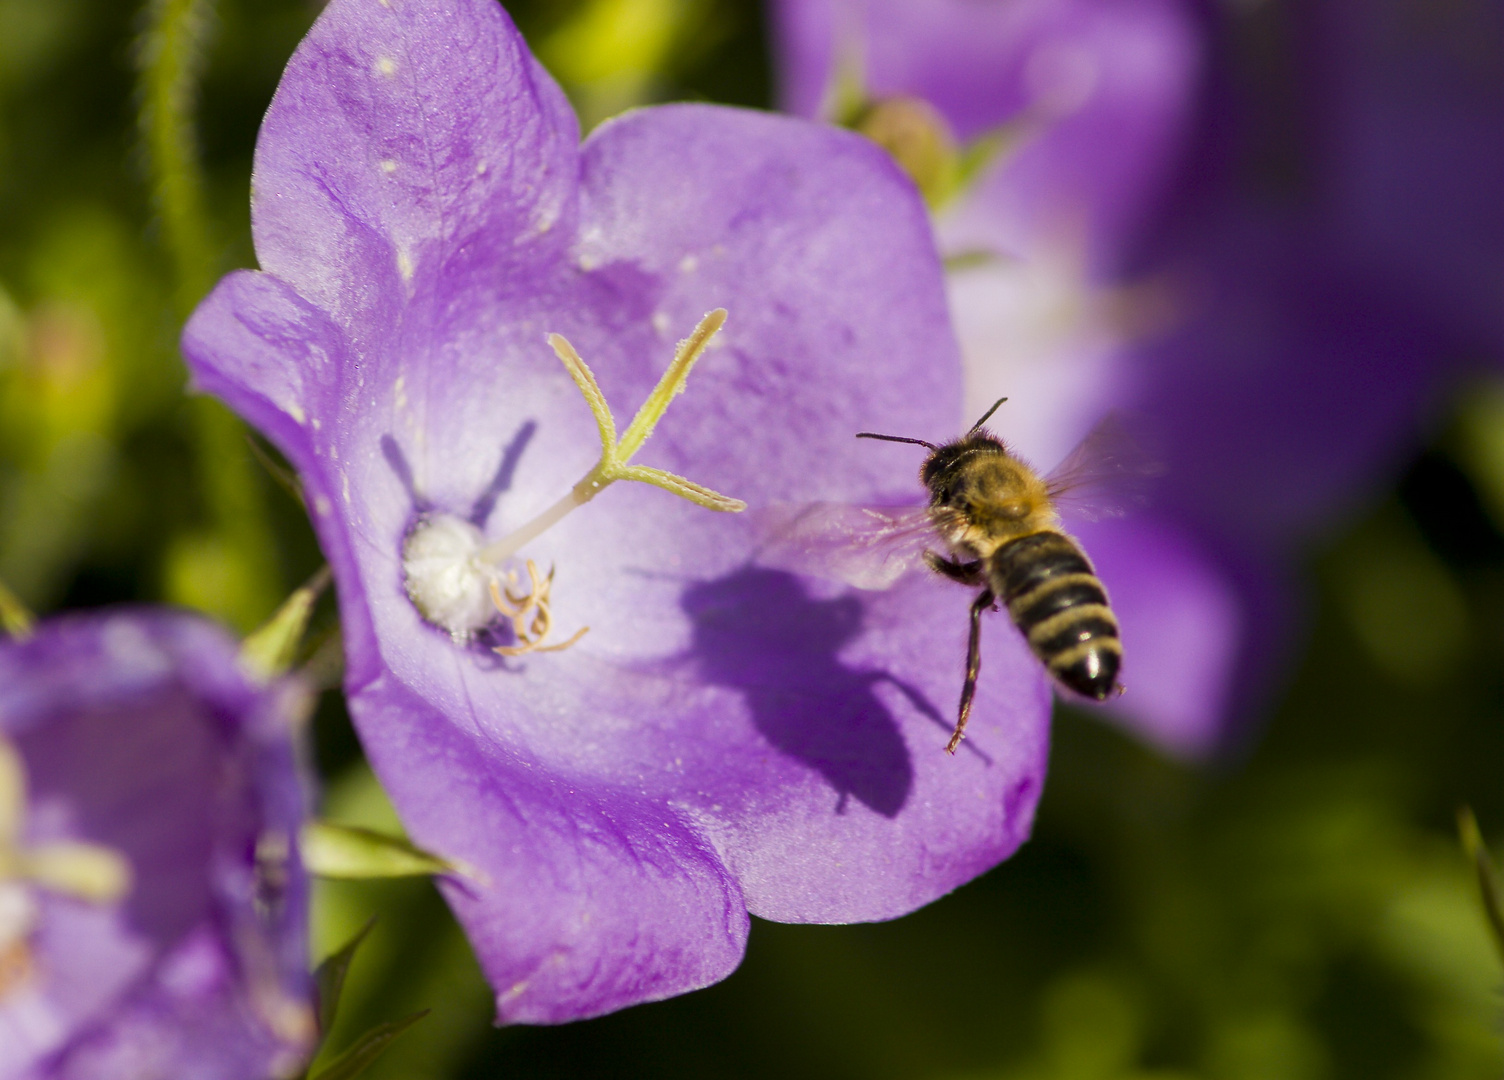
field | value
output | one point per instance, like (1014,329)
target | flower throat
(461,584)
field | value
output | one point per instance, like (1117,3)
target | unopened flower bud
(918,138)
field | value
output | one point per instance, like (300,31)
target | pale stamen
(529,635)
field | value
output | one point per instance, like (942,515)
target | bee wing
(1108,474)
(869,547)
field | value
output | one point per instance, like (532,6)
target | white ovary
(445,579)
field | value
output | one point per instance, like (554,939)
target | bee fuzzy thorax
(982,496)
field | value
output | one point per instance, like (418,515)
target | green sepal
(347,851)
(16,619)
(978,155)
(1488,878)
(972,259)
(329,977)
(366,1049)
(271,650)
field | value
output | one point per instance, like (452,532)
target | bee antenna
(987,415)
(895,438)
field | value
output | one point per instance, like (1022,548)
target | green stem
(171,56)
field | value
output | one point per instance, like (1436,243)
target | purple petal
(725,738)
(1287,388)
(590,893)
(370,188)
(139,732)
(1285,393)
(1181,621)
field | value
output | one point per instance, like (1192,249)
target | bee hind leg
(983,602)
(967,573)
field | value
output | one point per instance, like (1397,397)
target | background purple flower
(1327,256)
(726,738)
(139,735)
(1100,93)
(1407,138)
(1160,261)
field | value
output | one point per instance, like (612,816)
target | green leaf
(366,1049)
(1488,879)
(329,977)
(348,851)
(270,650)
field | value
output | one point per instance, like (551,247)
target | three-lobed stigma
(460,584)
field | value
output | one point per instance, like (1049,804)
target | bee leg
(973,668)
(969,573)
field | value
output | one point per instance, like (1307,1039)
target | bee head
(949,471)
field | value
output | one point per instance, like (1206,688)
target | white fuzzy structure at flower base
(445,580)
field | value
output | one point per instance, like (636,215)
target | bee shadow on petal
(758,632)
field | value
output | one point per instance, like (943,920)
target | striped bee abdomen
(1061,607)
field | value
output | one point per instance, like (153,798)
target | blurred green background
(1303,912)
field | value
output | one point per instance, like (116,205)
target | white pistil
(449,576)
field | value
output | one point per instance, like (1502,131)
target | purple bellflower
(1089,102)
(1280,348)
(446,272)
(152,907)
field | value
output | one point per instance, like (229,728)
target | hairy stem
(171,58)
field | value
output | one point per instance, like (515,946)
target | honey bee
(999,520)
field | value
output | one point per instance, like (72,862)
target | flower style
(725,737)
(1086,105)
(152,907)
